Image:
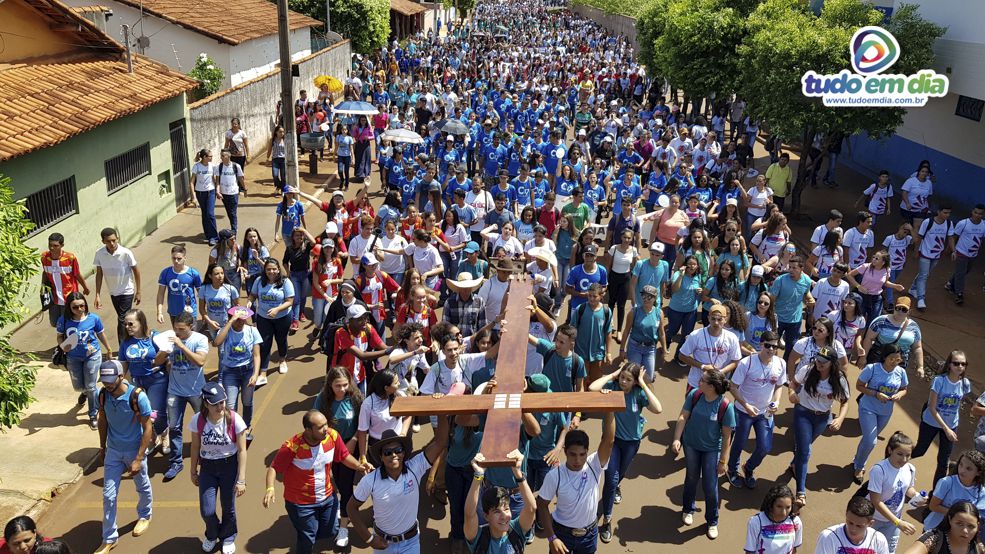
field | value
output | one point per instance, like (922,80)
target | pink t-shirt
(872,279)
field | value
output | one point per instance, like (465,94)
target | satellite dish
(143,41)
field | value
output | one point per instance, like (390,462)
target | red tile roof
(229,21)
(406,7)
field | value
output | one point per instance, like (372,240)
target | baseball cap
(472,247)
(109,371)
(757,271)
(591,249)
(904,301)
(338,193)
(369,259)
(650,290)
(213,393)
(718,309)
(657,246)
(732,202)
(332,228)
(356,311)
(226,234)
(538,383)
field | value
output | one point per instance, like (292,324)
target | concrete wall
(254,102)
(615,23)
(257,57)
(136,210)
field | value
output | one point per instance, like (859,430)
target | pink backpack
(230,426)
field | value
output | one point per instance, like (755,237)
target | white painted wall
(936,126)
(259,56)
(962,18)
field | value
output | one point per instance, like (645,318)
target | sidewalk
(53,445)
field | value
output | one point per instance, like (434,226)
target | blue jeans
(85,373)
(871,306)
(563,269)
(764,440)
(893,276)
(832,165)
(278,170)
(890,531)
(345,162)
(807,427)
(680,321)
(206,203)
(701,465)
(871,424)
(231,203)
(302,283)
(457,483)
(318,311)
(646,356)
(313,522)
(271,331)
(919,287)
(944,447)
(409,546)
(623,452)
(236,382)
(176,416)
(114,464)
(579,545)
(156,387)
(536,471)
(217,478)
(670,253)
(789,332)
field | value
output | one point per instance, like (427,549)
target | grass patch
(631,8)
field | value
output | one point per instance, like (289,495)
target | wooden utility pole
(287,95)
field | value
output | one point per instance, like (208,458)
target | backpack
(580,310)
(230,426)
(517,541)
(575,360)
(134,396)
(722,406)
(326,340)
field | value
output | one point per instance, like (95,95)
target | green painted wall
(136,210)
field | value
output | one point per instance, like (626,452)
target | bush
(631,8)
(208,75)
(365,22)
(20,266)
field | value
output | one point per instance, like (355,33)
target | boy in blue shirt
(179,284)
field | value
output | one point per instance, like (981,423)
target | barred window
(127,168)
(52,204)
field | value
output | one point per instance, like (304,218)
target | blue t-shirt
(270,296)
(593,327)
(790,297)
(757,326)
(559,369)
(625,193)
(594,196)
(950,490)
(949,397)
(218,301)
(139,355)
(878,379)
(687,298)
(124,430)
(630,422)
(237,349)
(581,280)
(254,264)
(345,143)
(551,425)
(565,186)
(463,446)
(187,377)
(88,330)
(551,157)
(647,274)
(290,218)
(703,431)
(646,326)
(494,158)
(182,288)
(501,545)
(886,332)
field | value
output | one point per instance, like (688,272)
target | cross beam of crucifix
(504,406)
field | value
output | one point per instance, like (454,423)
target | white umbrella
(356,108)
(403,135)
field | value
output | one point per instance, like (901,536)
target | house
(240,36)
(406,18)
(87,142)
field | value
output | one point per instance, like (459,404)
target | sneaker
(688,518)
(948,287)
(605,532)
(921,304)
(617,498)
(712,532)
(166,448)
(94,424)
(141,527)
(302,317)
(342,539)
(82,398)
(173,471)
(106,547)
(229,547)
(282,368)
(261,380)
(735,479)
(208,545)
(295,325)
(213,242)
(750,480)
(415,428)
(959,299)
(249,435)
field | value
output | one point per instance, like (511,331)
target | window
(127,168)
(52,204)
(970,108)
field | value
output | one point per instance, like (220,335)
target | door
(179,164)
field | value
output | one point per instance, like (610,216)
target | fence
(615,23)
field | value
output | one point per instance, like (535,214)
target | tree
(365,22)
(785,40)
(20,266)
(208,74)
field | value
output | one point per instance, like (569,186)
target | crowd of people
(547,150)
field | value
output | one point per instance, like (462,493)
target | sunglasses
(960,364)
(771,345)
(902,309)
(393,451)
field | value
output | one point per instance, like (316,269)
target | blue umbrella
(352,107)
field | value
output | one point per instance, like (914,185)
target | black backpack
(326,341)
(517,541)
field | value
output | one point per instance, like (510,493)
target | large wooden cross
(504,406)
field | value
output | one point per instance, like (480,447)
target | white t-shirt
(623,262)
(769,246)
(395,502)
(229,177)
(879,198)
(828,297)
(808,349)
(577,492)
(897,250)
(203,177)
(406,369)
(757,380)
(425,259)
(824,397)
(374,417)
(543,278)
(512,245)
(934,238)
(492,292)
(718,351)
(482,202)
(117,269)
(764,536)
(238,138)
(833,540)
(357,247)
(548,244)
(535,362)
(826,260)
(891,483)
(857,246)
(758,200)
(393,263)
(918,194)
(969,237)
(821,231)
(845,334)
(443,377)
(216,442)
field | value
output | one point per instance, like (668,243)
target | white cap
(332,227)
(732,202)
(356,311)
(757,271)
(657,246)
(369,259)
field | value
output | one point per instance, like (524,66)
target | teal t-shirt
(501,545)
(686,298)
(790,297)
(646,326)
(124,429)
(647,274)
(342,412)
(464,445)
(551,425)
(562,371)
(630,423)
(703,431)
(593,327)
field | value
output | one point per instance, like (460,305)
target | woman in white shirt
(236,142)
(505,240)
(374,413)
(622,260)
(205,193)
(229,178)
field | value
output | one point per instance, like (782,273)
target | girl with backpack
(891,483)
(239,362)
(593,320)
(629,379)
(775,528)
(218,466)
(966,484)
(882,385)
(706,439)
(251,256)
(940,415)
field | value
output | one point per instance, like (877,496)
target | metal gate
(179,164)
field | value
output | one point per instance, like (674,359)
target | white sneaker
(415,428)
(921,304)
(342,539)
(208,545)
(688,518)
(282,368)
(228,547)
(712,532)
(166,443)
(261,380)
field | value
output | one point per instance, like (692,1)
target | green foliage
(918,36)
(631,8)
(650,27)
(208,74)
(365,22)
(20,266)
